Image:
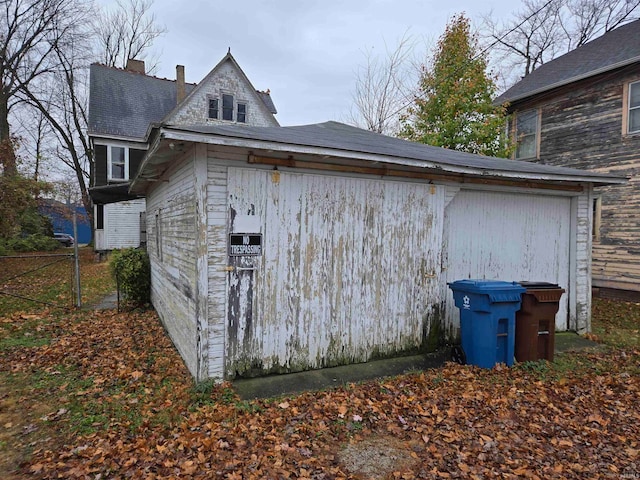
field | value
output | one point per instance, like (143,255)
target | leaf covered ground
(101,395)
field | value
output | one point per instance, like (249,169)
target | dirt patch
(377,457)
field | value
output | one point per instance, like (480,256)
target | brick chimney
(180,88)
(134,65)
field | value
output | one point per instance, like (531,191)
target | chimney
(134,65)
(180,91)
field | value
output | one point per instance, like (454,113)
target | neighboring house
(285,249)
(123,104)
(582,110)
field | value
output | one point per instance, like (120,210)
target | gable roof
(265,97)
(345,143)
(123,103)
(615,49)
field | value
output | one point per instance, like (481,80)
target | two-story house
(125,103)
(582,110)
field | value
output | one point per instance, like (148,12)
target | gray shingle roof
(338,136)
(268,101)
(614,49)
(124,103)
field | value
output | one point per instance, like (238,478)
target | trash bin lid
(497,291)
(485,286)
(539,285)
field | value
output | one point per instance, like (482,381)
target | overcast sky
(305,51)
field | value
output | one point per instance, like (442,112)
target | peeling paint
(347,273)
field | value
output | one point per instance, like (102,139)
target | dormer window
(241,117)
(213,108)
(227,107)
(118,163)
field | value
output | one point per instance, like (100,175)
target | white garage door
(511,237)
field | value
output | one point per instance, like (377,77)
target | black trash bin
(536,321)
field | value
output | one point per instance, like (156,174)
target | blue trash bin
(487,319)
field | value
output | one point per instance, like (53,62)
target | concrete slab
(277,385)
(110,302)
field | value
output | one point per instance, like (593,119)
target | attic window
(634,107)
(213,108)
(227,107)
(527,134)
(242,113)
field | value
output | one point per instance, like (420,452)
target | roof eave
(433,165)
(571,80)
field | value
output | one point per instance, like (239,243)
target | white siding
(580,297)
(349,270)
(510,237)
(226,78)
(217,251)
(171,243)
(121,225)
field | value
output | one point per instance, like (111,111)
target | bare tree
(544,29)
(127,32)
(383,89)
(62,96)
(30,30)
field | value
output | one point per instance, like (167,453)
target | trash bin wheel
(458,355)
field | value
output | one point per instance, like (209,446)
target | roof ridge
(124,70)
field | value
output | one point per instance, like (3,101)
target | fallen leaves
(126,405)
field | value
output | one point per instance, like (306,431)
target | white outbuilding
(282,249)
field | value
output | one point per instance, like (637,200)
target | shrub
(132,271)
(31,243)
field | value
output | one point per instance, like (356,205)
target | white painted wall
(121,225)
(349,270)
(171,243)
(352,267)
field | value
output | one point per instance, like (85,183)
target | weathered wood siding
(171,242)
(121,225)
(509,237)
(350,270)
(217,253)
(582,127)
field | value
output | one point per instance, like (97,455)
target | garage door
(510,237)
(347,272)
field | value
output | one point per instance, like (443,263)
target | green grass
(616,323)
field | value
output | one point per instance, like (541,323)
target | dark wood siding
(100,157)
(135,159)
(582,127)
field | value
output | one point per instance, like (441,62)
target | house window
(118,162)
(597,218)
(158,236)
(634,107)
(227,107)
(527,134)
(213,108)
(242,113)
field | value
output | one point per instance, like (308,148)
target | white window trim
(627,108)
(218,111)
(246,110)
(126,163)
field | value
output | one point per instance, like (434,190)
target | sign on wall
(241,244)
